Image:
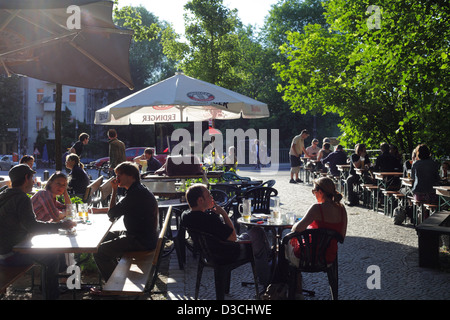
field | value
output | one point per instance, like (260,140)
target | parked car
(6,162)
(131,153)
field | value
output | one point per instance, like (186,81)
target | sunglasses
(316,188)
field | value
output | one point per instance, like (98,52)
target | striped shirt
(45,206)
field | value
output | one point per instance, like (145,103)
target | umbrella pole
(58,103)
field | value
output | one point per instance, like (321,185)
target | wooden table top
(443,190)
(382,175)
(86,240)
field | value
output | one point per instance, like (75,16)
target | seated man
(386,162)
(140,216)
(153,164)
(17,221)
(206,216)
(313,149)
(335,158)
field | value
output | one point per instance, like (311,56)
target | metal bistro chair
(231,176)
(212,252)
(260,198)
(183,239)
(221,198)
(313,245)
(233,193)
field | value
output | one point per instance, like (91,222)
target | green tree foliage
(387,80)
(209,52)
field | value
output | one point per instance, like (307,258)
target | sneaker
(299,180)
(292,181)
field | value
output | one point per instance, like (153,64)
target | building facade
(39,109)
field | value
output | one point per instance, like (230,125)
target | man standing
(153,164)
(17,221)
(116,150)
(206,216)
(296,150)
(77,148)
(140,216)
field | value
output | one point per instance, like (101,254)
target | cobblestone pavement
(372,240)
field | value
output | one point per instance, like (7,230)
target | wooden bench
(369,196)
(388,198)
(429,232)
(137,272)
(9,274)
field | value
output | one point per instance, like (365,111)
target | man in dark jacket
(17,221)
(140,216)
(210,218)
(335,158)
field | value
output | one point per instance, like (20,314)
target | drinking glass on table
(246,209)
(276,212)
(83,211)
(290,217)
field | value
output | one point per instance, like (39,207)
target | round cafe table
(276,228)
(277,233)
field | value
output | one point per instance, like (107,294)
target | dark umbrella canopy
(51,41)
(66,42)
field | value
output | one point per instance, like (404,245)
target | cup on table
(246,211)
(83,211)
(290,217)
(276,212)
(71,211)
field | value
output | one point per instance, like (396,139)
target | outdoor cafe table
(344,170)
(277,232)
(277,227)
(408,184)
(383,177)
(87,239)
(443,192)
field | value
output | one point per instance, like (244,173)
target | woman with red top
(45,205)
(327,213)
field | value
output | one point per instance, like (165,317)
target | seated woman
(78,178)
(327,213)
(45,205)
(425,173)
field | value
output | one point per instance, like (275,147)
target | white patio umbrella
(180,99)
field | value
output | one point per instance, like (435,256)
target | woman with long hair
(327,213)
(45,205)
(78,178)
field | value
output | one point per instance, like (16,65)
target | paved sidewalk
(373,241)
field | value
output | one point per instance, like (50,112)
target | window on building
(39,94)
(73,95)
(39,123)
